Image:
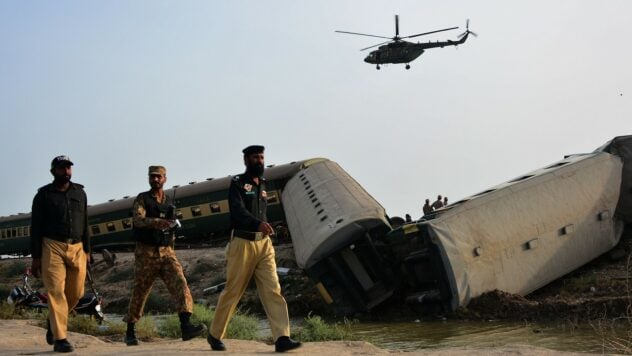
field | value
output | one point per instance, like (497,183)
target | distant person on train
(60,247)
(445,201)
(427,208)
(438,204)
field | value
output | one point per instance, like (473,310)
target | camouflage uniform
(155,261)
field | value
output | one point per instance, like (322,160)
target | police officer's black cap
(253,149)
(61,161)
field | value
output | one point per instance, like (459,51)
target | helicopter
(396,50)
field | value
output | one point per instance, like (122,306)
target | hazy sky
(120,85)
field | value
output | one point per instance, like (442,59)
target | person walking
(60,247)
(250,253)
(153,221)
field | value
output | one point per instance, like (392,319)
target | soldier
(154,220)
(60,247)
(445,201)
(250,253)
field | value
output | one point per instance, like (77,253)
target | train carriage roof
(283,171)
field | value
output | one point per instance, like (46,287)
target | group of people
(60,248)
(437,204)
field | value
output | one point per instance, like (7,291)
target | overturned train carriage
(515,237)
(523,234)
(334,224)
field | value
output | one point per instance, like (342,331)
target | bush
(316,329)
(242,326)
(14,269)
(5,291)
(157,303)
(120,275)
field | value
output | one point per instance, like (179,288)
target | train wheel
(377,67)
(407,66)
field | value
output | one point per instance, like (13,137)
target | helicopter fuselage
(405,52)
(397,52)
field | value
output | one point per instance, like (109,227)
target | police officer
(60,247)
(154,220)
(249,254)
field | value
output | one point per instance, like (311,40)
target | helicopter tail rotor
(467,30)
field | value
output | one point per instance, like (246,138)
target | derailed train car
(201,207)
(334,224)
(516,237)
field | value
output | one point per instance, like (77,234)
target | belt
(66,240)
(249,235)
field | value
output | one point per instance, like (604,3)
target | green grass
(9,311)
(316,329)
(242,326)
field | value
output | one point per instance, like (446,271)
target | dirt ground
(21,337)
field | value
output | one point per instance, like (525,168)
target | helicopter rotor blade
(379,44)
(427,33)
(396,25)
(362,34)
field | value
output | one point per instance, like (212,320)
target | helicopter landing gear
(377,67)
(407,66)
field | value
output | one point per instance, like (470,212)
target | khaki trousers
(64,275)
(244,259)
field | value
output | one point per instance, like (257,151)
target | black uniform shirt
(59,214)
(247,202)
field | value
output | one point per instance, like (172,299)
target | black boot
(189,331)
(49,334)
(130,335)
(284,343)
(216,344)
(63,346)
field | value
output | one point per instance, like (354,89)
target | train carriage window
(4,233)
(272,197)
(15,232)
(27,230)
(196,211)
(215,208)
(127,224)
(95,229)
(179,214)
(20,231)
(110,226)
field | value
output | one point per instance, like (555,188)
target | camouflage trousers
(152,262)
